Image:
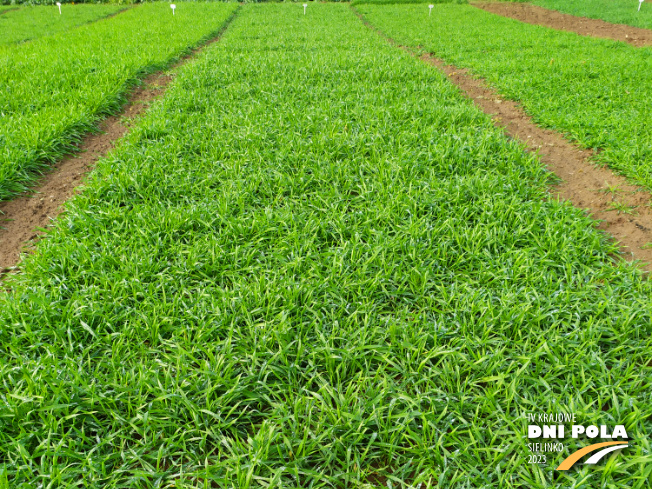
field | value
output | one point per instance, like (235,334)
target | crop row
(403,2)
(315,264)
(53,90)
(32,22)
(596,91)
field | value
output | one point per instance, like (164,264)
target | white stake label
(304,8)
(173,6)
(640,2)
(59,5)
(430,9)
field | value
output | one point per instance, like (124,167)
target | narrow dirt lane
(624,209)
(22,217)
(532,14)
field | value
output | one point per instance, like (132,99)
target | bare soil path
(624,210)
(532,14)
(23,218)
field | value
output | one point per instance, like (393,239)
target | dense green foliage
(596,91)
(22,3)
(315,264)
(120,2)
(53,90)
(31,22)
(616,11)
(391,2)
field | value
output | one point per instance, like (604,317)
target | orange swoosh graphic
(574,457)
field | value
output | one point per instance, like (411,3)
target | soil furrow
(23,218)
(624,209)
(532,14)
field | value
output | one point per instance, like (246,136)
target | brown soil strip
(532,14)
(22,218)
(77,26)
(624,209)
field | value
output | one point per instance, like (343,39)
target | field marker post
(640,2)
(59,5)
(173,6)
(304,8)
(430,9)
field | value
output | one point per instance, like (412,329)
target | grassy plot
(315,264)
(38,21)
(53,90)
(596,91)
(615,11)
(390,2)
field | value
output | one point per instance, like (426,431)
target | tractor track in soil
(23,218)
(595,189)
(533,14)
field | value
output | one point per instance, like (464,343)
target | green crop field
(595,91)
(54,89)
(392,2)
(615,11)
(29,23)
(312,264)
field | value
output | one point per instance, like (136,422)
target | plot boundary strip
(22,217)
(568,161)
(583,26)
(104,72)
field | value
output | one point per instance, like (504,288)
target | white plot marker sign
(59,5)
(430,9)
(173,6)
(304,8)
(640,2)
